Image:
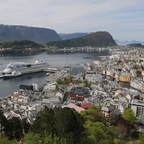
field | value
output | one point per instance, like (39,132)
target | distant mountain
(38,35)
(97,39)
(128,42)
(141,42)
(65,36)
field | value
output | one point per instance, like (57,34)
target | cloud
(68,16)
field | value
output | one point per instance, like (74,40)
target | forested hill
(38,35)
(97,39)
(23,47)
(20,44)
(136,45)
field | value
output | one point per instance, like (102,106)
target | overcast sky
(123,19)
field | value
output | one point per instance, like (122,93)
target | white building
(138,107)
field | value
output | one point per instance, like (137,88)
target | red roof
(85,106)
(77,108)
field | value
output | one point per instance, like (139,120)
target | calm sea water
(55,59)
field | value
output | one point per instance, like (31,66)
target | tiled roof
(84,106)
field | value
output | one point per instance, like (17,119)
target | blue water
(54,59)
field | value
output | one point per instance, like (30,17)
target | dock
(1,77)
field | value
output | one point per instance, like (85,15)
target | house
(85,106)
(38,86)
(46,101)
(125,77)
(108,111)
(26,87)
(137,84)
(74,70)
(78,93)
(60,96)
(49,86)
(55,100)
(138,107)
(122,107)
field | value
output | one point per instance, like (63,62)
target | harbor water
(54,59)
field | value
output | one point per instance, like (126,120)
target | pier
(1,77)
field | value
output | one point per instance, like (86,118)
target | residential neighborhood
(113,82)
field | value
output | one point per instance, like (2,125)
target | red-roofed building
(85,106)
(77,108)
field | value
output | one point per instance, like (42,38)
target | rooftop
(137,102)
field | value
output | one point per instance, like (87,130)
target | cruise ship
(24,68)
(12,75)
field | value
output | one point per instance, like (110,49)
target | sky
(123,19)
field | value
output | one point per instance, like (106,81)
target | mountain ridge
(65,36)
(128,42)
(35,34)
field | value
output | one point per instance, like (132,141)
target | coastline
(55,60)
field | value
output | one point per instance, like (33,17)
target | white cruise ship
(12,75)
(25,68)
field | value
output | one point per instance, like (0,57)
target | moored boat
(47,74)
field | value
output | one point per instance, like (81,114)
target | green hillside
(22,47)
(19,44)
(98,39)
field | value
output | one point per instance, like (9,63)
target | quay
(1,77)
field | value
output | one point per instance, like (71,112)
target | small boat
(47,74)
(12,75)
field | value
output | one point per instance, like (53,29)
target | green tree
(63,123)
(49,139)
(68,125)
(13,129)
(44,122)
(136,67)
(3,122)
(87,84)
(106,141)
(4,140)
(113,131)
(92,114)
(25,125)
(141,138)
(138,72)
(59,81)
(128,114)
(32,138)
(96,131)
(119,141)
(69,78)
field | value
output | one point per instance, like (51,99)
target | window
(140,111)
